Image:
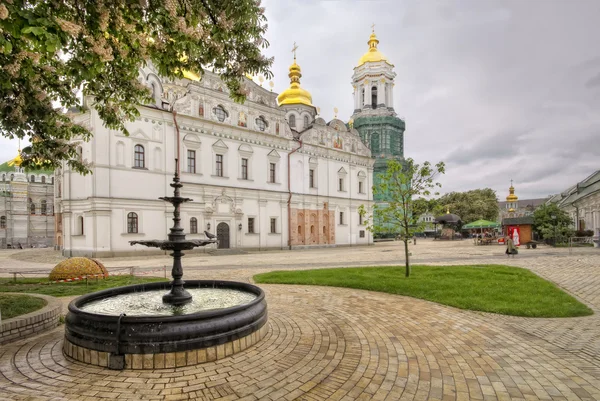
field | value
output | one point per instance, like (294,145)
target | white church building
(266,174)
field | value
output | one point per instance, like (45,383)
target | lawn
(40,285)
(16,305)
(488,288)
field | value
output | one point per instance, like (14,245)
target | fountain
(141,327)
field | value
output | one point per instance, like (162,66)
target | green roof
(481,224)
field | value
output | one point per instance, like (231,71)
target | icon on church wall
(337,142)
(201,110)
(242,119)
(277,128)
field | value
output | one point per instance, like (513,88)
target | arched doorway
(223,235)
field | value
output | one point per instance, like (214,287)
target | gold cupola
(295,94)
(512,198)
(373,55)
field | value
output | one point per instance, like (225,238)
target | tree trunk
(406,257)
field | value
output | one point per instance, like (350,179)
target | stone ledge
(166,360)
(31,323)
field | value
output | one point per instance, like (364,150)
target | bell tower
(374,115)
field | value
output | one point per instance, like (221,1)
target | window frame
(262,126)
(251,224)
(311,178)
(341,218)
(191,167)
(272,172)
(292,121)
(2,222)
(218,108)
(219,158)
(139,157)
(193,225)
(132,223)
(244,166)
(273,225)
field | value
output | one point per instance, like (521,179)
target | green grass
(487,288)
(16,305)
(33,285)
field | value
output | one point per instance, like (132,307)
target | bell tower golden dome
(512,198)
(373,55)
(295,94)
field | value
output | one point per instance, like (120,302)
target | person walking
(510,247)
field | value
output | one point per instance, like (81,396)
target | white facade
(234,165)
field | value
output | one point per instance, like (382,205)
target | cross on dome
(373,27)
(294,50)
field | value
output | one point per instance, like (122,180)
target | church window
(132,223)
(193,225)
(360,187)
(276,128)
(292,121)
(139,156)
(261,124)
(363,96)
(31,207)
(312,230)
(80,225)
(2,221)
(201,109)
(251,225)
(305,121)
(191,161)
(12,177)
(43,180)
(341,218)
(273,225)
(272,176)
(32,178)
(52,180)
(43,206)
(324,230)
(311,178)
(244,169)
(220,113)
(219,166)
(374,97)
(360,219)
(341,184)
(299,230)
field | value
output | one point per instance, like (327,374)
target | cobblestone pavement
(342,344)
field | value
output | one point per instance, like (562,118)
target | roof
(514,221)
(582,189)
(524,203)
(481,224)
(448,218)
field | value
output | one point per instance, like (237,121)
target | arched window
(374,97)
(32,178)
(324,230)
(220,112)
(305,122)
(139,157)
(43,206)
(193,225)
(292,121)
(31,206)
(80,225)
(312,229)
(43,179)
(299,230)
(132,223)
(2,221)
(261,124)
(12,177)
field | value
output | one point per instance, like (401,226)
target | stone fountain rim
(235,285)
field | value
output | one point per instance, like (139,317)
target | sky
(497,89)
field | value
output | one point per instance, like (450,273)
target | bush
(77,267)
(584,233)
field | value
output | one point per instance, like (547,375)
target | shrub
(76,267)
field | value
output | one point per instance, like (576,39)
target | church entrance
(223,235)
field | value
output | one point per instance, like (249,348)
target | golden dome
(17,161)
(511,197)
(295,94)
(373,54)
(192,76)
(77,267)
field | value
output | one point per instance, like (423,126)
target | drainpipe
(289,202)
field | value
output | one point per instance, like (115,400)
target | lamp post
(553,217)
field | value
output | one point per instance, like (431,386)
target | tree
(401,184)
(470,205)
(53,50)
(552,228)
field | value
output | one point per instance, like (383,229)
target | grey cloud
(593,82)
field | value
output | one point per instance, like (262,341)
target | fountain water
(135,327)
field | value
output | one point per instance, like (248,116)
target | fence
(575,242)
(112,271)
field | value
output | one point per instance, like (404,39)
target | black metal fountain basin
(118,335)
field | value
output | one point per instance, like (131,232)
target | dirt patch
(39,256)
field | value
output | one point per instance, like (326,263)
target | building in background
(515,207)
(26,206)
(266,174)
(582,203)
